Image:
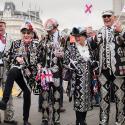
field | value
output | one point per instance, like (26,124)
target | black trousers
(61,93)
(80,118)
(15,75)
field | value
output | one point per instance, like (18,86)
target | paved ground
(67,118)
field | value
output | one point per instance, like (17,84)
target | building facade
(117,7)
(15,19)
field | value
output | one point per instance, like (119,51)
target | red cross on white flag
(88,8)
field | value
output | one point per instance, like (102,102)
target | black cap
(78,32)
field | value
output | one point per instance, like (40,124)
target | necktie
(108,33)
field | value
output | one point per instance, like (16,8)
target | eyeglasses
(104,16)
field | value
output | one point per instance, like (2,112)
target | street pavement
(67,118)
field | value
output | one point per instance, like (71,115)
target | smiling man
(22,57)
(111,56)
(5,43)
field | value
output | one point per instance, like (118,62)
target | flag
(22,3)
(88,8)
(123,10)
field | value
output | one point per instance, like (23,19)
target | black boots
(82,123)
(13,122)
(44,122)
(26,123)
(3,105)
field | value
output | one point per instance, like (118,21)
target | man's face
(27,36)
(89,31)
(2,28)
(50,32)
(108,20)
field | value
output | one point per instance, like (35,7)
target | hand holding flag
(117,26)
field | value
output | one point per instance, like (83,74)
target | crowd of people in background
(91,63)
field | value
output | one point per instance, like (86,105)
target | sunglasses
(26,32)
(104,16)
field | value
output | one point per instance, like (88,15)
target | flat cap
(107,12)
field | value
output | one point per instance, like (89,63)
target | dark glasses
(104,16)
(25,31)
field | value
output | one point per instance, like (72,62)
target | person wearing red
(5,43)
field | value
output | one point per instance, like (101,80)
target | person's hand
(27,72)
(20,60)
(117,27)
(39,67)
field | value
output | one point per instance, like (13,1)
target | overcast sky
(69,13)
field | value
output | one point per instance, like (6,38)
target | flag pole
(30,11)
(123,10)
(119,16)
(22,8)
(35,10)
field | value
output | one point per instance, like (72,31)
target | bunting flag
(88,6)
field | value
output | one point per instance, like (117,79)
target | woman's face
(80,39)
(27,36)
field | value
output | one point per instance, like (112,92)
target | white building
(14,20)
(117,7)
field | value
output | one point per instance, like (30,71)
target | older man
(50,55)
(111,47)
(22,57)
